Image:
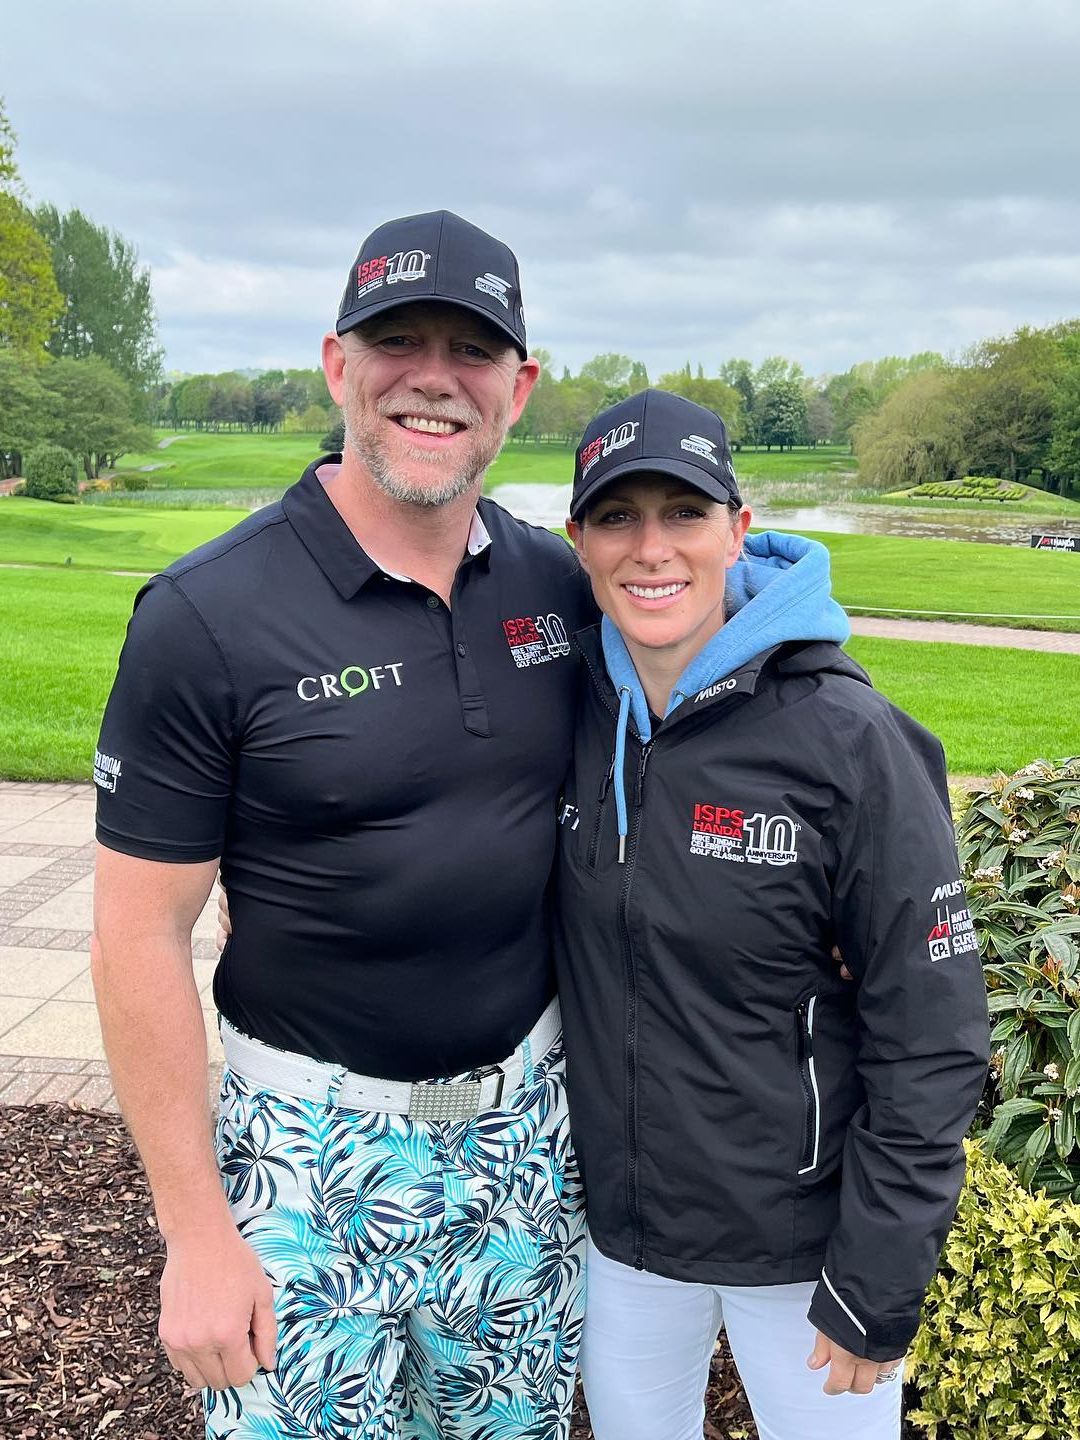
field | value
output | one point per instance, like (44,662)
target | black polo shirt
(378,773)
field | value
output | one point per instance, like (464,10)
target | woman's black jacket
(743,1115)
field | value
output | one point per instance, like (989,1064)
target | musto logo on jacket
(953,930)
(724,833)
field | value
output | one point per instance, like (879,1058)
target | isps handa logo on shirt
(350,681)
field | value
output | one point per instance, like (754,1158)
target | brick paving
(50,1043)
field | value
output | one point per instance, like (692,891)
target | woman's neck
(657,670)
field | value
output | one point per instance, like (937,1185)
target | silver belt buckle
(444,1102)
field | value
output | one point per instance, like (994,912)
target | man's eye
(474,352)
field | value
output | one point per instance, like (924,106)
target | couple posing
(381,706)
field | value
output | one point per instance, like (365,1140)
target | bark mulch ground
(79,1354)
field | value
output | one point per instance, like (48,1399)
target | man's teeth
(429,427)
(656,592)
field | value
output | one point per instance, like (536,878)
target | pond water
(548,504)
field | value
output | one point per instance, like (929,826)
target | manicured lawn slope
(885,573)
(992,709)
(35,532)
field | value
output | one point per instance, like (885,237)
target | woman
(764,1143)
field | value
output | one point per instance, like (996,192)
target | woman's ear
(576,531)
(739,526)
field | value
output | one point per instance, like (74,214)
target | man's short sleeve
(164,761)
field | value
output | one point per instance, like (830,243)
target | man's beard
(468,473)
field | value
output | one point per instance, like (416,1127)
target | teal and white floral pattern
(428,1276)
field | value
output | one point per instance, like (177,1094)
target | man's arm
(217,1318)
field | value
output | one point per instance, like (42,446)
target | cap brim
(696,478)
(397,302)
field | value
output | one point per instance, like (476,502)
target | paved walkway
(50,1044)
(1052,641)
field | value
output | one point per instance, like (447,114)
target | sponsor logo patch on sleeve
(106,771)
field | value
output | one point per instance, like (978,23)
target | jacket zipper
(594,843)
(804,1031)
(633,1203)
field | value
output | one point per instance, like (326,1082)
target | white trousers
(647,1345)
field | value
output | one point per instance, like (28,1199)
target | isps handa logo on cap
(390,270)
(353,680)
(616,438)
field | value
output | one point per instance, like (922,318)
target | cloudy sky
(683,180)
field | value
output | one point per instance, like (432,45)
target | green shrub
(334,439)
(998,1353)
(1019,845)
(51,471)
(133,480)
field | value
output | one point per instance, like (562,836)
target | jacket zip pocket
(804,1035)
(594,842)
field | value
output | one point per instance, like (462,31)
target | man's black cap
(655,432)
(437,256)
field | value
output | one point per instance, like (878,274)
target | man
(358,703)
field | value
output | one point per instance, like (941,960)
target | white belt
(308,1079)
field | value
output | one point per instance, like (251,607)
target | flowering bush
(1019,846)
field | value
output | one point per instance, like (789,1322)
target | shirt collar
(330,542)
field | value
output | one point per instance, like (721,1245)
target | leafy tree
(268,402)
(29,298)
(819,417)
(51,473)
(722,399)
(638,379)
(333,442)
(1063,459)
(775,368)
(23,410)
(108,310)
(1009,393)
(780,414)
(919,435)
(90,412)
(611,370)
(9,170)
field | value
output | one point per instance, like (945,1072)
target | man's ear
(528,373)
(333,364)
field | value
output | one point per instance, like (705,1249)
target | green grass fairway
(35,532)
(61,635)
(63,630)
(201,461)
(885,573)
(993,709)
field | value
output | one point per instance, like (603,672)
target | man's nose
(432,371)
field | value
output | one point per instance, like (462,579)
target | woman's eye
(614,517)
(688,512)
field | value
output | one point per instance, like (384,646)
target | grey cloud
(689,181)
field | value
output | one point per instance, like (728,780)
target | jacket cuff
(874,1337)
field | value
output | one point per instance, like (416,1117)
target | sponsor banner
(1056,542)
